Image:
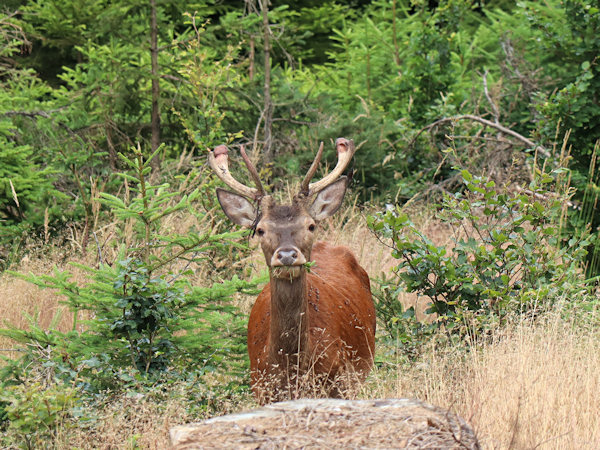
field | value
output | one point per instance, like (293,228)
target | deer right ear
(239,210)
(329,200)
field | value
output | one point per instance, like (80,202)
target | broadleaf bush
(36,412)
(508,255)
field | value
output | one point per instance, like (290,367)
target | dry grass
(141,421)
(531,386)
(19,298)
(534,385)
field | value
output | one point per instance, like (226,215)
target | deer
(313,324)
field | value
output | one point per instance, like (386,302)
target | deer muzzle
(287,262)
(287,256)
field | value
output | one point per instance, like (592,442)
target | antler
(345,150)
(219,161)
(304,187)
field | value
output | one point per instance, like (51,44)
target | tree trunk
(268,104)
(251,69)
(394,37)
(155,115)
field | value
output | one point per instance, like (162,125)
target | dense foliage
(78,88)
(506,257)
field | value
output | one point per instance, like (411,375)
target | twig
(262,114)
(539,196)
(489,99)
(100,259)
(45,115)
(294,121)
(184,268)
(553,438)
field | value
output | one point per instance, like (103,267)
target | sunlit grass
(533,385)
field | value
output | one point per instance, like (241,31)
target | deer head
(286,232)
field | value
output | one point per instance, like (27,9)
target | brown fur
(341,329)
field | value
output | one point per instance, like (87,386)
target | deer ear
(329,200)
(237,208)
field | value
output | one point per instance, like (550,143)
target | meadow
(533,384)
(125,290)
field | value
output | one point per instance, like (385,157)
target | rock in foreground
(329,423)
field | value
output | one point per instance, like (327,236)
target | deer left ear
(237,208)
(329,200)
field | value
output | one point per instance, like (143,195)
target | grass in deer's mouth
(290,272)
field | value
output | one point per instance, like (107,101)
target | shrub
(36,412)
(508,255)
(405,333)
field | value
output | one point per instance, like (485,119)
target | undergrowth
(140,325)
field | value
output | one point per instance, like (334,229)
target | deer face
(286,232)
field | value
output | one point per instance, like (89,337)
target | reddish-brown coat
(341,322)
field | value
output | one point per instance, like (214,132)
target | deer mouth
(286,272)
(287,262)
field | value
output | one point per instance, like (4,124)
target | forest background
(476,124)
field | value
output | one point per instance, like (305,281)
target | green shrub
(36,412)
(28,198)
(405,335)
(146,319)
(508,254)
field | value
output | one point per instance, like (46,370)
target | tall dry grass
(535,385)
(20,299)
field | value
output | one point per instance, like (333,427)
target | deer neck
(289,328)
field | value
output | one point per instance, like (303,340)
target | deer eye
(311,227)
(260,231)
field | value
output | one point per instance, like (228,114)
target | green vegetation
(145,318)
(507,257)
(483,114)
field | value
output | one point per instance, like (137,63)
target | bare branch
(539,196)
(488,123)
(489,98)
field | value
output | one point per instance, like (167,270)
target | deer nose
(287,256)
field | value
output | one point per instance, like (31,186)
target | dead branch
(544,197)
(485,122)
(489,98)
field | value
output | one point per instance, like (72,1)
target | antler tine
(219,162)
(252,170)
(345,150)
(311,172)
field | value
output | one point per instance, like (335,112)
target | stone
(331,423)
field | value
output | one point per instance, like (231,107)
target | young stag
(310,331)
